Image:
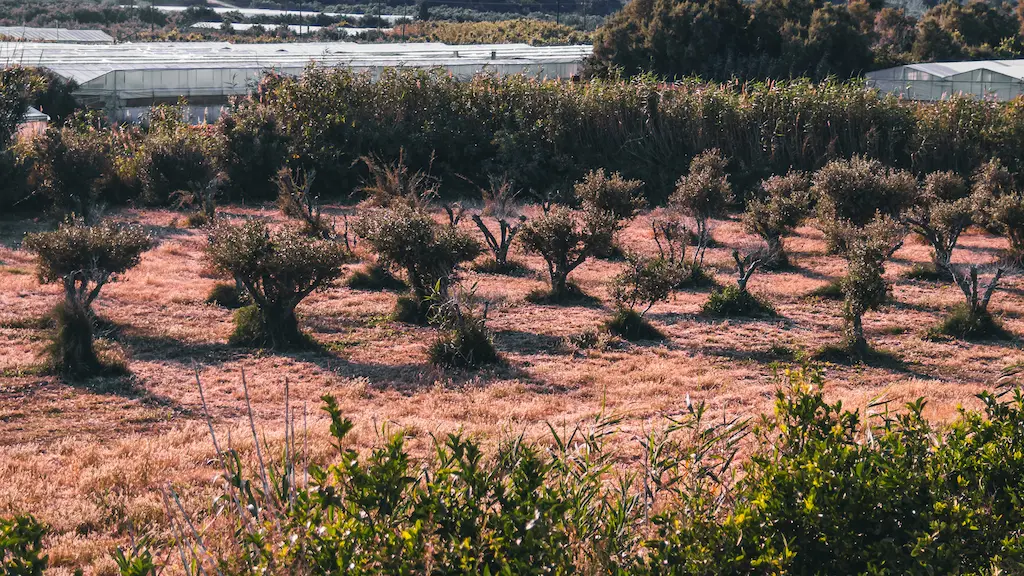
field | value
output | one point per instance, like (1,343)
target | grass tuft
(409,310)
(227,296)
(573,296)
(927,272)
(630,325)
(509,268)
(831,291)
(731,302)
(468,347)
(962,325)
(697,277)
(375,277)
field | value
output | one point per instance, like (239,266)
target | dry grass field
(90,460)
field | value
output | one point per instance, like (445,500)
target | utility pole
(558,11)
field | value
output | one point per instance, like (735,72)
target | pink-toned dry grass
(90,460)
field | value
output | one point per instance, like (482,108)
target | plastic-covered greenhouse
(127,79)
(999,80)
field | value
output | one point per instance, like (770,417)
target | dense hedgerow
(823,490)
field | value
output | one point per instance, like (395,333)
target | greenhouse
(998,80)
(127,79)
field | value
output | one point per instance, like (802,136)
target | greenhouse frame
(998,80)
(127,79)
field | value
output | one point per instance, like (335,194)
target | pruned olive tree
(644,282)
(500,204)
(1000,204)
(565,238)
(72,168)
(703,194)
(83,259)
(296,200)
(851,192)
(613,195)
(410,239)
(783,205)
(972,319)
(278,269)
(940,212)
(867,248)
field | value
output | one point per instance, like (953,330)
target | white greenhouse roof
(1011,68)
(34,115)
(250,12)
(296,28)
(82,62)
(55,34)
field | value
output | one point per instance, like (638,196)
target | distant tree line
(724,39)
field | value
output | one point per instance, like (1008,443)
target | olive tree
(613,195)
(500,204)
(83,259)
(703,194)
(941,211)
(867,248)
(778,212)
(644,282)
(278,269)
(410,239)
(1000,204)
(565,238)
(851,192)
(296,200)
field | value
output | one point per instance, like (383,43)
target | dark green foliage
(176,157)
(83,259)
(613,196)
(964,324)
(278,270)
(254,150)
(926,273)
(696,277)
(565,239)
(228,295)
(573,295)
(731,302)
(410,310)
(631,325)
(1000,204)
(74,169)
(375,277)
(295,199)
(21,547)
(135,561)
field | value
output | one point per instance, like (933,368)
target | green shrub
(703,194)
(866,250)
(831,291)
(941,211)
(176,157)
(410,310)
(375,277)
(629,324)
(962,324)
(926,273)
(21,547)
(697,276)
(463,340)
(785,204)
(731,302)
(278,270)
(82,259)
(228,295)
(74,169)
(823,490)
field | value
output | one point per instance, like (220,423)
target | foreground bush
(825,490)
(644,282)
(731,302)
(278,269)
(83,259)
(21,547)
(463,340)
(565,239)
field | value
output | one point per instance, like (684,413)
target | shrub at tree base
(468,347)
(732,302)
(228,296)
(631,325)
(831,291)
(375,277)
(960,323)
